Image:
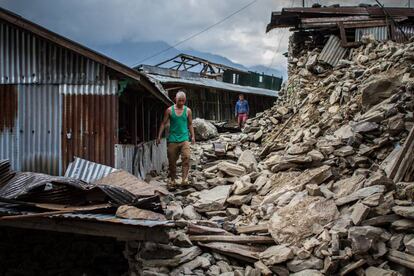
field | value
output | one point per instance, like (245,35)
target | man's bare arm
(163,123)
(190,125)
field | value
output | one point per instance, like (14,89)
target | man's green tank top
(178,127)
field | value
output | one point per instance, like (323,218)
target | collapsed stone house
(335,30)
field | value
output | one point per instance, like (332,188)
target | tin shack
(60,100)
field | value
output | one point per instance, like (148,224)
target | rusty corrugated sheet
(44,188)
(380,33)
(30,136)
(90,127)
(33,141)
(332,52)
(68,79)
(40,124)
(26,59)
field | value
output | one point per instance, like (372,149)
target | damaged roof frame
(342,18)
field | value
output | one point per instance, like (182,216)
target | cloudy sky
(241,38)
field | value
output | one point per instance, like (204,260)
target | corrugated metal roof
(66,190)
(204,82)
(332,52)
(113,219)
(87,171)
(54,187)
(380,33)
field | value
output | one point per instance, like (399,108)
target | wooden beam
(166,61)
(396,172)
(242,252)
(233,239)
(401,258)
(260,228)
(83,227)
(342,32)
(205,230)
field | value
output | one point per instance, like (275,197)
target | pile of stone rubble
(307,188)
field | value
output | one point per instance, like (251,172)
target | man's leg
(239,120)
(244,119)
(185,158)
(172,152)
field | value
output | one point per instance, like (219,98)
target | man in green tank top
(181,126)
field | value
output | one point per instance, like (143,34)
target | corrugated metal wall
(408,31)
(40,113)
(380,33)
(50,93)
(28,59)
(32,143)
(90,122)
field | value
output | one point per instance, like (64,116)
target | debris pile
(317,185)
(320,184)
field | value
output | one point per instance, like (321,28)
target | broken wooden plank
(401,258)
(194,229)
(242,252)
(35,215)
(233,239)
(400,164)
(259,228)
(57,207)
(95,228)
(351,267)
(290,119)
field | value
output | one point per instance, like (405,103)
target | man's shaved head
(180,95)
(180,98)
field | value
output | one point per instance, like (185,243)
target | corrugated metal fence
(142,159)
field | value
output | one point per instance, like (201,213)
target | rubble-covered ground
(304,189)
